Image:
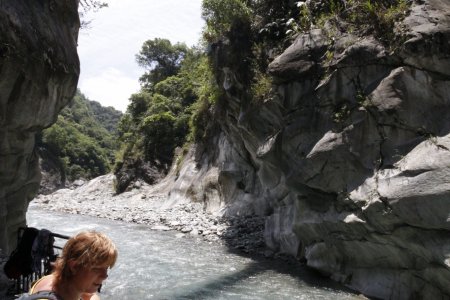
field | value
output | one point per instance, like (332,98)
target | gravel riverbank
(143,205)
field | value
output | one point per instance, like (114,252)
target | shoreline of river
(142,205)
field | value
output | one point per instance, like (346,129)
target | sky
(107,49)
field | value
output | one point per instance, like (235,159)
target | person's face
(89,280)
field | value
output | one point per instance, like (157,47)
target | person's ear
(72,266)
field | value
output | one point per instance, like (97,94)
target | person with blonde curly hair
(81,269)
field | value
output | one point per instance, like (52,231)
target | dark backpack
(40,295)
(20,261)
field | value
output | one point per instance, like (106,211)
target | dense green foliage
(161,59)
(83,138)
(107,117)
(163,114)
(220,16)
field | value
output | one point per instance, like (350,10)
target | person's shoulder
(43,284)
(41,295)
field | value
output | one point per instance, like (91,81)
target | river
(163,265)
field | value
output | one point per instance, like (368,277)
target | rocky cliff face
(349,160)
(39,70)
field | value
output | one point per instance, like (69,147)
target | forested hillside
(82,143)
(107,117)
(169,111)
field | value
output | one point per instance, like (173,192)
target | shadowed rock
(39,70)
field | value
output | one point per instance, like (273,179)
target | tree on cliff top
(161,59)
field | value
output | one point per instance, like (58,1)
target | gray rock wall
(349,160)
(39,71)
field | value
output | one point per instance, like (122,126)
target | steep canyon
(348,158)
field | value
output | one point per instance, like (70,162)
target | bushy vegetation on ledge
(360,17)
(256,31)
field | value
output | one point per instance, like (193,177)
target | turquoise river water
(160,265)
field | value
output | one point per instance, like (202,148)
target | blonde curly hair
(87,249)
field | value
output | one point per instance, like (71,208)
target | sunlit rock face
(39,70)
(350,158)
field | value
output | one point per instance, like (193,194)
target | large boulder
(39,69)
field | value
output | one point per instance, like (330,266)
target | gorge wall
(39,71)
(349,159)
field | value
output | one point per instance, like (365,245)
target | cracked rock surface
(348,160)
